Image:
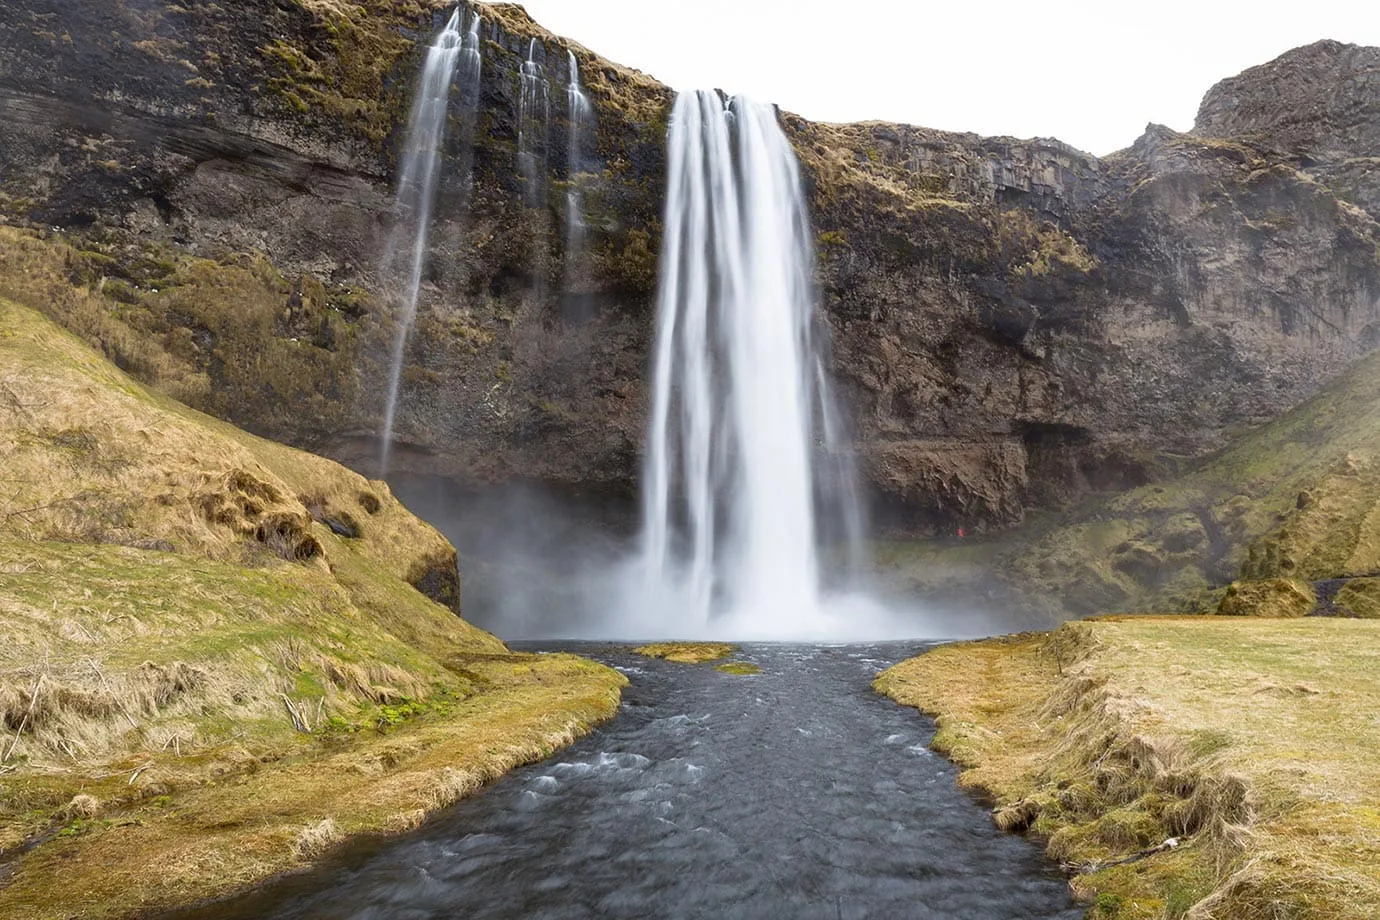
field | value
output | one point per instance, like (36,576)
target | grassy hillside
(216,656)
(1248,742)
(1247,739)
(1298,498)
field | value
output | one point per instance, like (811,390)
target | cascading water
(534,113)
(580,116)
(417,180)
(735,507)
(471,70)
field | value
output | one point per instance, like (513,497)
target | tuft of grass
(1360,597)
(687,652)
(738,667)
(1275,597)
(316,839)
(1247,741)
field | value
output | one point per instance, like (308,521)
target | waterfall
(417,180)
(735,506)
(534,112)
(471,72)
(580,116)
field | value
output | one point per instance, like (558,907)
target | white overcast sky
(1089,73)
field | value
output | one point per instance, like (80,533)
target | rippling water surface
(794,793)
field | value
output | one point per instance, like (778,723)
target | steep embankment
(1205,767)
(1016,323)
(217,658)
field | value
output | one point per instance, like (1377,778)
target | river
(795,793)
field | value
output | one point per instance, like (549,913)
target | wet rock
(438,578)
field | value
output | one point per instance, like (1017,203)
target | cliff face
(1014,323)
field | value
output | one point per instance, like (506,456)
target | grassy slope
(1298,498)
(171,604)
(1249,740)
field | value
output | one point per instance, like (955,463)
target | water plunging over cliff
(580,115)
(417,180)
(471,69)
(736,506)
(534,110)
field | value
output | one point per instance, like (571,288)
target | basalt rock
(1014,323)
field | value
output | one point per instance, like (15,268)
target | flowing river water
(795,793)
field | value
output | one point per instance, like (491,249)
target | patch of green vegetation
(1360,598)
(1038,248)
(738,667)
(1276,597)
(1296,499)
(687,652)
(231,337)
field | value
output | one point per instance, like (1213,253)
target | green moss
(1360,597)
(344,74)
(1277,597)
(738,667)
(687,652)
(221,335)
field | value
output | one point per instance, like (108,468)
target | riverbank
(225,820)
(1249,743)
(220,657)
(793,793)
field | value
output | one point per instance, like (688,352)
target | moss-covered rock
(1280,598)
(738,667)
(1359,597)
(687,652)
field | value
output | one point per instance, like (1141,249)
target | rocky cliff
(1015,323)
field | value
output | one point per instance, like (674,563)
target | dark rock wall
(1014,323)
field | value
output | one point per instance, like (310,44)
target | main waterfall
(736,510)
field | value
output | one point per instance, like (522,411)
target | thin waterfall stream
(580,114)
(418,177)
(534,120)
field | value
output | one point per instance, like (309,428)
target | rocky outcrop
(1015,323)
(1318,105)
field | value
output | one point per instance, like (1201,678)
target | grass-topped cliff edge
(216,656)
(1248,742)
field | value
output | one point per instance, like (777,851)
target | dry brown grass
(1250,741)
(210,839)
(201,684)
